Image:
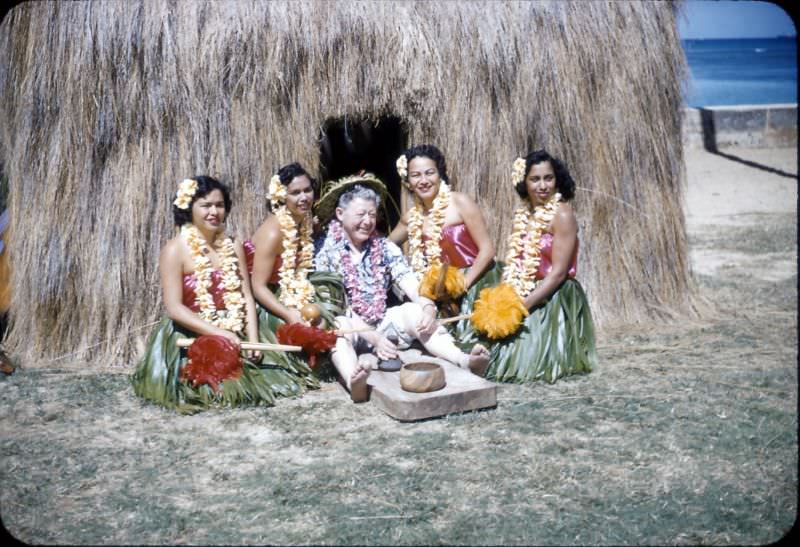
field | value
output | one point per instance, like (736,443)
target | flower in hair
(402,166)
(518,171)
(276,191)
(186,190)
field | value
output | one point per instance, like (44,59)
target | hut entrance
(347,146)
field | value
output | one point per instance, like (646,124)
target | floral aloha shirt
(367,277)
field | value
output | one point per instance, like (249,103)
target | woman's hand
(252,354)
(384,348)
(293,316)
(231,336)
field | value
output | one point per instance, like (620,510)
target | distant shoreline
(741,71)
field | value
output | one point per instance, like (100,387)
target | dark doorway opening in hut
(349,145)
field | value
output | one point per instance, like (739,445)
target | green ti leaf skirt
(556,340)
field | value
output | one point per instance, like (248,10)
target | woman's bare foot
(359,390)
(478,360)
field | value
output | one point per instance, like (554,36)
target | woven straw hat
(325,207)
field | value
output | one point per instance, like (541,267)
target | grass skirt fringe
(330,295)
(157,377)
(556,340)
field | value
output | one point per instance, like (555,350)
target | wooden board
(463,391)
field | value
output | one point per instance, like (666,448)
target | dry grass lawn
(686,434)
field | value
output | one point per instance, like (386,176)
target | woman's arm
(400,232)
(268,241)
(170,265)
(565,238)
(472,217)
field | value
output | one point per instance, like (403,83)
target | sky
(734,19)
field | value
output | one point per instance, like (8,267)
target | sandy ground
(740,187)
(733,186)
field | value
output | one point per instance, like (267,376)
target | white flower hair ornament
(276,192)
(402,166)
(186,190)
(518,171)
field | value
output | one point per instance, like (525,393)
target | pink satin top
(546,258)
(458,247)
(216,290)
(249,253)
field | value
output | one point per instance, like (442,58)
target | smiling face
(423,178)
(540,183)
(358,220)
(299,196)
(208,212)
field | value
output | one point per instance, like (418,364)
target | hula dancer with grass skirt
(280,258)
(449,246)
(538,316)
(207,297)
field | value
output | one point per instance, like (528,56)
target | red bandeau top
(546,258)
(216,290)
(249,253)
(458,247)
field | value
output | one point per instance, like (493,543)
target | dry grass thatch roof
(107,105)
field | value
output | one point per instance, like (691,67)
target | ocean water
(741,71)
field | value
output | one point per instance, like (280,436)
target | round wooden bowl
(421,377)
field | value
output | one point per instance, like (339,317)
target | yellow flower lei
(522,263)
(296,289)
(232,317)
(427,255)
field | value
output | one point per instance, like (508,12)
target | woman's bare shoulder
(565,217)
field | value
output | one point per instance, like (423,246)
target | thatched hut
(106,105)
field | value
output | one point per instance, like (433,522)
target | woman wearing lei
(538,316)
(205,294)
(444,229)
(280,258)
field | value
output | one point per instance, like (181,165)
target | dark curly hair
(288,172)
(429,151)
(564,183)
(205,185)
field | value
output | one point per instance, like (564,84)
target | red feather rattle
(212,359)
(313,340)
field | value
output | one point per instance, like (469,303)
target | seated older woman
(370,264)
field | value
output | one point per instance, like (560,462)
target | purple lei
(371,311)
